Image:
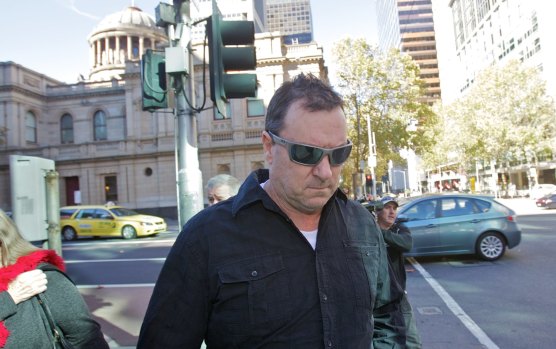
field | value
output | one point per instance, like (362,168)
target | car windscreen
(120,212)
(67,213)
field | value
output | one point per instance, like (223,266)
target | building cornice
(23,91)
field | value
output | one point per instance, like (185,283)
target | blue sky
(50,36)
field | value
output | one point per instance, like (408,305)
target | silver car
(459,224)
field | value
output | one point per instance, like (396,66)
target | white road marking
(115,286)
(454,307)
(70,245)
(72,261)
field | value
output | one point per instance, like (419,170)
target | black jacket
(241,275)
(399,240)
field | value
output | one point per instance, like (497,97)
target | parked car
(540,190)
(99,220)
(451,224)
(547,201)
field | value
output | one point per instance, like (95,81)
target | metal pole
(53,212)
(189,178)
(360,189)
(372,155)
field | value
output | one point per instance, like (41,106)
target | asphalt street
(119,305)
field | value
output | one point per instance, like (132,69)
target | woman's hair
(12,244)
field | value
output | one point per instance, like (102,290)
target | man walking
(289,262)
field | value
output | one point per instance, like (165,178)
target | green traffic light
(153,81)
(240,85)
(225,56)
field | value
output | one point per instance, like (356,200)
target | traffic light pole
(53,212)
(372,155)
(189,178)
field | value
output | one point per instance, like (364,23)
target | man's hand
(26,285)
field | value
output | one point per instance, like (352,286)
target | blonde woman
(23,323)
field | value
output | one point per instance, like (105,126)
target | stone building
(105,147)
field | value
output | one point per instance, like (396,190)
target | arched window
(66,129)
(99,123)
(30,127)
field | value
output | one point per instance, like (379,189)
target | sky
(50,36)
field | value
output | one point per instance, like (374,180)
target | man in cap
(399,240)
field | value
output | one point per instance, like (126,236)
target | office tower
(408,25)
(418,40)
(492,32)
(388,25)
(290,17)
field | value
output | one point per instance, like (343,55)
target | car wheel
(69,233)
(491,246)
(129,232)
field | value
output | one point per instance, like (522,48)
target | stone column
(129,48)
(107,50)
(98,62)
(92,54)
(140,45)
(117,50)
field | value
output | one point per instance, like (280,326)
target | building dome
(122,37)
(129,17)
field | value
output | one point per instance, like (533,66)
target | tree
(505,115)
(384,88)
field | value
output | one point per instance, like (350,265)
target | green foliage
(384,88)
(505,114)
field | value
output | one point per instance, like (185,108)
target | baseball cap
(387,199)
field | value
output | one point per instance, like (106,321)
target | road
(459,302)
(504,304)
(116,279)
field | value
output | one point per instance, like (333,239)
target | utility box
(29,198)
(177,61)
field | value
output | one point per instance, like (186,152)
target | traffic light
(368,181)
(225,55)
(153,81)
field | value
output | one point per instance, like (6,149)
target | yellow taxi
(100,220)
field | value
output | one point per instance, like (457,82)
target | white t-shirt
(310,235)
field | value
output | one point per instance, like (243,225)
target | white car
(540,190)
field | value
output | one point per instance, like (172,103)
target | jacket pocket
(258,286)
(363,261)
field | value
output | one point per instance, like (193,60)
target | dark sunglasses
(309,155)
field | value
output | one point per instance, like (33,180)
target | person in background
(398,240)
(289,262)
(221,187)
(22,322)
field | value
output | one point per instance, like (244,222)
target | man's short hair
(224,180)
(315,93)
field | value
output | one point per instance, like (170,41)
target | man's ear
(267,147)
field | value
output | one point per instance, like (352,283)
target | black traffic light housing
(153,81)
(226,54)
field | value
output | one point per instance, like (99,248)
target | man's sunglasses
(309,155)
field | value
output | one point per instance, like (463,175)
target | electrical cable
(182,89)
